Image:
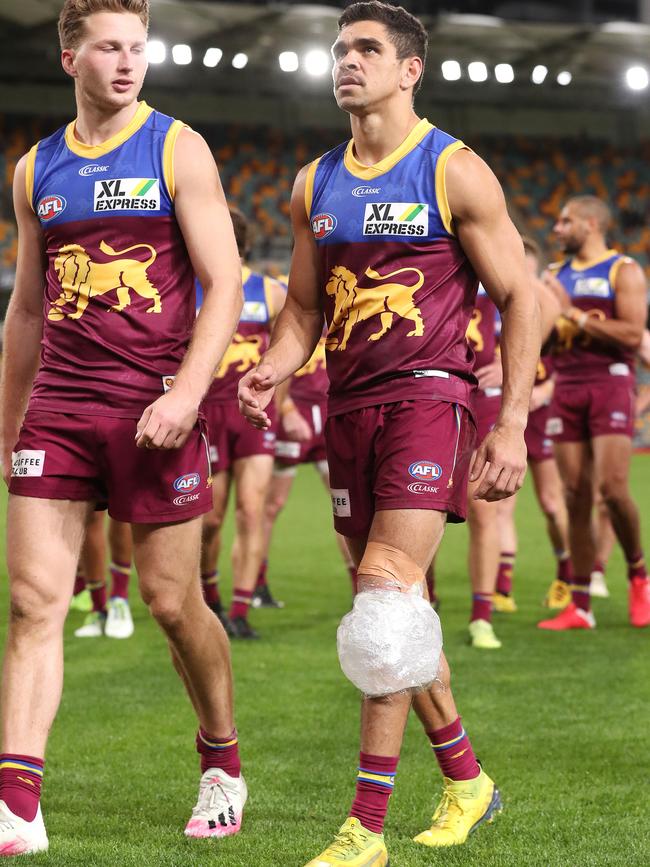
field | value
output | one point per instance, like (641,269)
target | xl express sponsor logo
(50,207)
(409,219)
(127,194)
(92,169)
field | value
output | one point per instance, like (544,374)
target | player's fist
(255,393)
(167,422)
(499,464)
(296,428)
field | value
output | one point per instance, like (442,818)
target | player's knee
(167,609)
(549,504)
(33,606)
(274,505)
(614,489)
(212,523)
(578,499)
(248,515)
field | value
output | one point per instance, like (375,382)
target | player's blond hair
(75,12)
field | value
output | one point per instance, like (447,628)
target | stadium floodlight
(539,74)
(240,60)
(212,57)
(637,77)
(317,62)
(504,73)
(451,70)
(564,77)
(156,51)
(288,61)
(477,71)
(182,54)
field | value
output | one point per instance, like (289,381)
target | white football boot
(18,837)
(93,626)
(597,585)
(119,623)
(219,809)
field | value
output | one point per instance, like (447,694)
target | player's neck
(96,124)
(592,250)
(377,135)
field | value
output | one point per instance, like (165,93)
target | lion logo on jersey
(317,360)
(568,335)
(243,351)
(82,279)
(354,304)
(473,333)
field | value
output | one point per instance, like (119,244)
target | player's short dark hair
(75,12)
(242,231)
(592,206)
(405,31)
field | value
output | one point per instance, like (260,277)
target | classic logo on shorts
(27,462)
(425,471)
(50,207)
(396,218)
(127,194)
(323,225)
(420,488)
(187,483)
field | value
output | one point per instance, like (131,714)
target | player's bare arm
(494,248)
(631,303)
(23,327)
(299,325)
(203,217)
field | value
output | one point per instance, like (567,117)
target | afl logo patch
(425,471)
(50,207)
(323,225)
(188,482)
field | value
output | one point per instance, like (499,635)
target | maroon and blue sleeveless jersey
(119,289)
(398,288)
(482,330)
(250,341)
(592,288)
(311,382)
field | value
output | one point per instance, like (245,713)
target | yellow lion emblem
(568,335)
(354,304)
(317,360)
(473,333)
(243,351)
(82,279)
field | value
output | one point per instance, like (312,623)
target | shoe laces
(7,825)
(212,797)
(349,841)
(450,803)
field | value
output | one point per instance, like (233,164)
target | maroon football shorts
(95,458)
(485,407)
(583,411)
(232,437)
(414,454)
(289,453)
(539,445)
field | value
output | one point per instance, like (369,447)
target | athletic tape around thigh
(387,567)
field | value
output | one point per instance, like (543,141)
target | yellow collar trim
(93,151)
(367,173)
(593,262)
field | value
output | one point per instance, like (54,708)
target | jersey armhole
(268,297)
(441,184)
(29,175)
(613,271)
(168,156)
(309,186)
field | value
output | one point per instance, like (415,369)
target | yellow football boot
(353,846)
(481,635)
(462,808)
(558,594)
(504,604)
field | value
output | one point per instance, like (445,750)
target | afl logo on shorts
(323,225)
(187,483)
(425,471)
(50,207)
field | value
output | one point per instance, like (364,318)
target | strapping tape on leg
(386,567)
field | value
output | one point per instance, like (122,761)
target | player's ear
(411,72)
(68,62)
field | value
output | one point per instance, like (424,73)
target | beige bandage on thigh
(386,567)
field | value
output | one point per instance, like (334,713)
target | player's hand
(296,428)
(255,393)
(166,423)
(500,464)
(490,376)
(552,283)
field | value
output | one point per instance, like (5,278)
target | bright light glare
(240,60)
(539,74)
(637,78)
(317,62)
(477,71)
(182,54)
(212,57)
(564,77)
(504,73)
(288,61)
(156,51)
(451,70)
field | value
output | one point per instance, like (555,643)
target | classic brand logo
(187,483)
(425,471)
(92,169)
(50,207)
(358,192)
(396,218)
(420,488)
(323,225)
(127,194)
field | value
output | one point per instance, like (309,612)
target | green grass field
(560,721)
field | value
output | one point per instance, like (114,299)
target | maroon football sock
(210,585)
(220,753)
(120,575)
(481,607)
(20,783)
(454,752)
(79,584)
(261,575)
(599,566)
(580,592)
(504,575)
(375,780)
(636,567)
(98,595)
(564,567)
(241,601)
